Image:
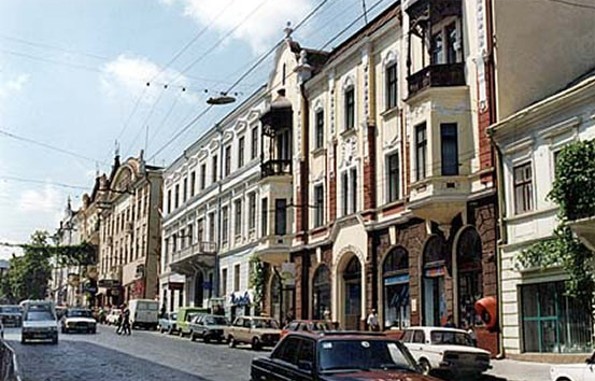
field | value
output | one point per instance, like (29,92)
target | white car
(79,320)
(574,372)
(39,322)
(445,349)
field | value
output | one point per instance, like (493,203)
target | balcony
(274,249)
(443,75)
(197,255)
(275,167)
(439,198)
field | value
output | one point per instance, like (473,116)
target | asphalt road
(144,356)
(148,356)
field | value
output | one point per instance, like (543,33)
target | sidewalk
(512,370)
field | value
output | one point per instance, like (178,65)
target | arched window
(321,290)
(434,297)
(470,277)
(395,280)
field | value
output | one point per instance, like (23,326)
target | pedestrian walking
(120,322)
(372,321)
(126,321)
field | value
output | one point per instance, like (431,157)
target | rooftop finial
(288,31)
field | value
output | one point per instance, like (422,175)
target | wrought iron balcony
(275,167)
(443,75)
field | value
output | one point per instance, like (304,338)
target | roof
(343,335)
(432,328)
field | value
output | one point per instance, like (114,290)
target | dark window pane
(450,150)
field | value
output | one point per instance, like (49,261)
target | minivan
(144,313)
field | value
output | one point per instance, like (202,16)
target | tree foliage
(575,176)
(257,280)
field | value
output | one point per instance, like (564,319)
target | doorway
(352,278)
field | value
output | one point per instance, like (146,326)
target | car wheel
(63,330)
(231,342)
(23,340)
(55,340)
(256,344)
(207,339)
(425,367)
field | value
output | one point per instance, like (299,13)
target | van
(144,313)
(39,321)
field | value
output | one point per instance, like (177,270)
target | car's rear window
(79,313)
(147,306)
(450,338)
(261,323)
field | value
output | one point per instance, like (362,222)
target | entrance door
(198,290)
(434,305)
(353,292)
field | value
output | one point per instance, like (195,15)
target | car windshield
(260,323)
(79,313)
(450,338)
(39,316)
(215,320)
(10,309)
(349,355)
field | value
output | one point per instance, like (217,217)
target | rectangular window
(236,278)
(450,149)
(254,148)
(241,152)
(391,86)
(185,190)
(264,210)
(280,216)
(215,169)
(238,218)
(169,201)
(192,183)
(451,40)
(319,204)
(200,230)
(227,160)
(251,211)
(211,227)
(224,224)
(436,49)
(203,176)
(345,192)
(421,144)
(177,196)
(523,188)
(353,190)
(319,133)
(189,234)
(349,108)
(393,177)
(224,282)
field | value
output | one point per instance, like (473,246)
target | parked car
(78,320)
(144,313)
(257,331)
(445,349)
(167,323)
(306,325)
(185,316)
(113,316)
(11,315)
(307,356)
(574,372)
(208,328)
(39,321)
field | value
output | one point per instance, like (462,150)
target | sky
(77,76)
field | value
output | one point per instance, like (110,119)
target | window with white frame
(241,144)
(349,104)
(252,212)
(185,190)
(214,168)
(444,44)
(421,148)
(391,86)
(254,146)
(319,129)
(318,205)
(523,188)
(200,230)
(393,177)
(224,224)
(203,176)
(238,218)
(177,196)
(236,277)
(211,219)
(227,160)
(349,191)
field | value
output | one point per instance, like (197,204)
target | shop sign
(288,274)
(241,301)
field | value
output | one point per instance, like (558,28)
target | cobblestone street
(143,356)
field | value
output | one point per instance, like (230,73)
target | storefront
(321,293)
(434,272)
(352,278)
(469,276)
(553,322)
(395,283)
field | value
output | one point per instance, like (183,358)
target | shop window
(553,322)
(352,297)
(434,296)
(470,278)
(395,280)
(321,293)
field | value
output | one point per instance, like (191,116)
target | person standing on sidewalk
(372,321)
(126,321)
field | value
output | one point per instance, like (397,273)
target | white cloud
(48,200)
(131,75)
(13,86)
(260,28)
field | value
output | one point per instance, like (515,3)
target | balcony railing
(442,75)
(276,167)
(205,248)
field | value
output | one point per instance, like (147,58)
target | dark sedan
(337,356)
(11,315)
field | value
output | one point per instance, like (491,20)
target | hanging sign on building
(288,274)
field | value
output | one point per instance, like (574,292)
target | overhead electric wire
(48,46)
(35,181)
(49,146)
(258,62)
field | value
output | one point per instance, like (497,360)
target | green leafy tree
(257,279)
(30,273)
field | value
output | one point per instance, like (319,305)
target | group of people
(123,326)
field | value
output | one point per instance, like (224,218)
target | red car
(306,326)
